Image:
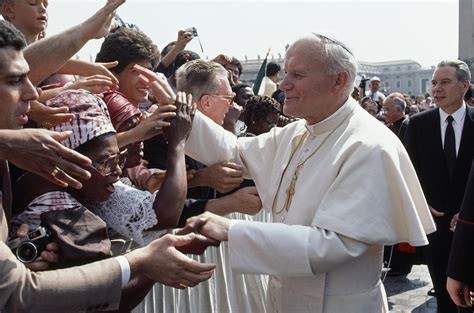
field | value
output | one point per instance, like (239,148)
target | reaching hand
(435,212)
(183,39)
(47,116)
(102,69)
(222,59)
(247,200)
(222,176)
(152,124)
(99,24)
(96,84)
(50,255)
(161,262)
(158,85)
(210,225)
(459,292)
(39,151)
(198,245)
(180,126)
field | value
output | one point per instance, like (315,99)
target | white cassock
(356,192)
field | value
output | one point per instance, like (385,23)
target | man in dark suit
(461,259)
(440,143)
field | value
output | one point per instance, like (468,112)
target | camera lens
(27,252)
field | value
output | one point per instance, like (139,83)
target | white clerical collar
(458,116)
(333,120)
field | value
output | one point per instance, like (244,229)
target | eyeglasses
(334,42)
(229,99)
(109,165)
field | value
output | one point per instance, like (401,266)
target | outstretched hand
(222,176)
(39,151)
(210,225)
(47,116)
(99,24)
(199,244)
(161,262)
(161,90)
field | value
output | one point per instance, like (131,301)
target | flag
(261,74)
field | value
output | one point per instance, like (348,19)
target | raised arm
(48,55)
(170,199)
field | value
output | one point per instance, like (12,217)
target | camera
(27,249)
(192,31)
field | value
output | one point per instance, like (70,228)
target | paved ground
(408,294)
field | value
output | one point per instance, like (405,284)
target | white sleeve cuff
(125,268)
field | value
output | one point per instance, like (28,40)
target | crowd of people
(157,181)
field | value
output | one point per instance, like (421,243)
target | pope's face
(306,85)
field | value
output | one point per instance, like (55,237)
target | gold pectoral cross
(290,191)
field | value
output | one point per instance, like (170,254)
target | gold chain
(290,191)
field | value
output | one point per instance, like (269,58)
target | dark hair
(10,36)
(258,108)
(468,94)
(127,46)
(236,88)
(363,102)
(95,143)
(167,48)
(272,68)
(184,57)
(237,63)
(279,95)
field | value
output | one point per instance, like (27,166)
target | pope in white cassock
(339,184)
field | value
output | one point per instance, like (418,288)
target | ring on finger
(55,171)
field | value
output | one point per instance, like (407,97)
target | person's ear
(466,85)
(340,82)
(203,104)
(7,11)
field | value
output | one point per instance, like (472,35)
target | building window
(387,85)
(409,67)
(398,84)
(398,68)
(424,85)
(386,69)
(409,83)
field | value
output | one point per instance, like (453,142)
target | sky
(378,30)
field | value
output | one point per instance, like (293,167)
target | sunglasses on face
(109,165)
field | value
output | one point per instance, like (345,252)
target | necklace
(290,191)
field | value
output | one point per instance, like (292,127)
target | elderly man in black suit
(440,143)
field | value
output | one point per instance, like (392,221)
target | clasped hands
(209,228)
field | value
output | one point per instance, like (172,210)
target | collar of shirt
(458,116)
(333,120)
